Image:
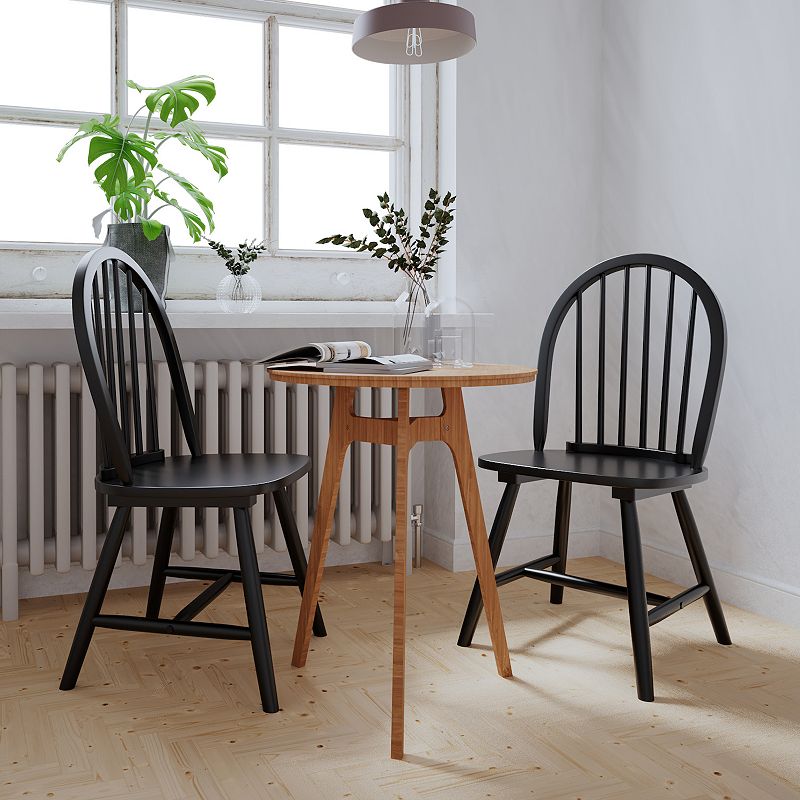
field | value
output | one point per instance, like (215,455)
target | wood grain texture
(477,375)
(456,436)
(157,717)
(403,432)
(338,442)
(401,452)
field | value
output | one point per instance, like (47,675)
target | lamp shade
(414,32)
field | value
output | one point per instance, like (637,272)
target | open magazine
(355,357)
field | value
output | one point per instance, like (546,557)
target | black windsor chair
(136,474)
(633,471)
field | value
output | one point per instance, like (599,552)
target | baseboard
(518,548)
(754,593)
(771,599)
(128,575)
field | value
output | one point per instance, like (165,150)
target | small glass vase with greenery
(415,255)
(239,292)
(136,183)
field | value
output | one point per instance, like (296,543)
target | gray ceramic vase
(153,257)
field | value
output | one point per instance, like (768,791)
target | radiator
(52,519)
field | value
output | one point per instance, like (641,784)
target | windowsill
(56,314)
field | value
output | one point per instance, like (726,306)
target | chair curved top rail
(106,335)
(573,297)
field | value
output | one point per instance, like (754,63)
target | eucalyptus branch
(239,263)
(416,257)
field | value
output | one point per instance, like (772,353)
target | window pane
(358,5)
(164,46)
(324,189)
(41,200)
(323,86)
(55,54)
(238,198)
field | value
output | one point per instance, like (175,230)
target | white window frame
(319,274)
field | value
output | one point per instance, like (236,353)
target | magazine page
(343,351)
(318,353)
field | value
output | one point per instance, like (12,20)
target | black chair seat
(211,476)
(595,468)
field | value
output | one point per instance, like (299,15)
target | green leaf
(86,129)
(175,102)
(189,134)
(205,205)
(131,198)
(193,223)
(152,229)
(120,155)
(117,153)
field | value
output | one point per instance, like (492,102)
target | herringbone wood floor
(162,717)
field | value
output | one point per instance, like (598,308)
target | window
(312,133)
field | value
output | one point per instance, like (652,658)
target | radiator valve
(416,521)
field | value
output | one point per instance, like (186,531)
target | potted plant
(415,256)
(136,183)
(239,292)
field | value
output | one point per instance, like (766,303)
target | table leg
(456,435)
(402,450)
(338,442)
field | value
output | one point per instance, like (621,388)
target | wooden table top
(437,378)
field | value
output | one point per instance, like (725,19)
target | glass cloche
(450,332)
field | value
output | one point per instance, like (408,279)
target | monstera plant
(137,184)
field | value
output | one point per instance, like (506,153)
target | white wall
(701,146)
(586,130)
(528,218)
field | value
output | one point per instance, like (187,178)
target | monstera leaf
(175,102)
(117,153)
(152,229)
(122,156)
(206,206)
(189,134)
(131,199)
(193,223)
(85,129)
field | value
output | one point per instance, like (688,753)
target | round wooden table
(403,432)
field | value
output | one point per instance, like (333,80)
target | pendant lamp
(414,32)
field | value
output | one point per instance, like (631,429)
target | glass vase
(409,322)
(239,294)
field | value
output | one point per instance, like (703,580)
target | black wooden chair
(633,471)
(135,472)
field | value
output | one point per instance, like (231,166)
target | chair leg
(296,552)
(700,565)
(561,537)
(256,615)
(637,600)
(94,598)
(497,536)
(166,532)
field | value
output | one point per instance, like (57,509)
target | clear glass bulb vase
(239,294)
(409,321)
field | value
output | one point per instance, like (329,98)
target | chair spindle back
(121,379)
(574,297)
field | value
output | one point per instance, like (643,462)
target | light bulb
(414,42)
